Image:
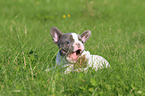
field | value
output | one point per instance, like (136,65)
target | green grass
(27,49)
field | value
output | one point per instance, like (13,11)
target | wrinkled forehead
(72,37)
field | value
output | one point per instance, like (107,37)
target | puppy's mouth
(72,57)
(78,52)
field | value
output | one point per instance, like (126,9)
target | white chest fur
(94,61)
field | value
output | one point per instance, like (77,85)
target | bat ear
(55,34)
(85,35)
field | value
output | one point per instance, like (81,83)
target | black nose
(78,44)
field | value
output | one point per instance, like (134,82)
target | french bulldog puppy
(71,51)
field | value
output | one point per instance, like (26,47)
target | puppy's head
(71,45)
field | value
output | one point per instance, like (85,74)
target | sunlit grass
(27,49)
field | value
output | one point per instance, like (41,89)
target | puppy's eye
(67,42)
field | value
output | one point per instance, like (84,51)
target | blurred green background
(27,49)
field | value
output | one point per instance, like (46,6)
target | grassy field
(27,49)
